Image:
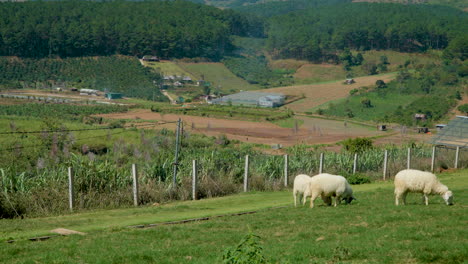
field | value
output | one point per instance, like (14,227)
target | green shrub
(358,179)
(248,251)
(357,145)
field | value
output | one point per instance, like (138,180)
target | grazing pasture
(370,230)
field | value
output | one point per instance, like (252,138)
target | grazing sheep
(328,185)
(300,188)
(421,182)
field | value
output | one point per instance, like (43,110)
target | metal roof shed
(455,134)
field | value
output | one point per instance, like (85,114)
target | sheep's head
(448,197)
(349,199)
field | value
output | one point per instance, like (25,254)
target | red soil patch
(245,131)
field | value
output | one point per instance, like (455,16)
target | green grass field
(371,230)
(381,105)
(170,68)
(219,76)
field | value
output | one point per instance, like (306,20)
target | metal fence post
(135,184)
(457,154)
(321,163)
(355,163)
(71,195)
(194,179)
(433,158)
(408,162)
(385,164)
(286,170)
(246,174)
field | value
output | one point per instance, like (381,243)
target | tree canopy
(169,29)
(316,34)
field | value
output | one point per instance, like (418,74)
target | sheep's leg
(403,197)
(425,199)
(312,199)
(295,198)
(304,197)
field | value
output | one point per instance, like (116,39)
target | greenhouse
(252,99)
(455,134)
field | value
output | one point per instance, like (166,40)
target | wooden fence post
(194,179)
(285,170)
(457,154)
(71,191)
(246,174)
(355,163)
(408,162)
(321,163)
(135,184)
(433,158)
(385,164)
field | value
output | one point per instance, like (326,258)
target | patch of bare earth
(312,132)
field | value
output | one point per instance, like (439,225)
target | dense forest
(113,73)
(270,9)
(169,29)
(317,34)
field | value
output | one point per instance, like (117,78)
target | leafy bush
(358,179)
(357,145)
(248,251)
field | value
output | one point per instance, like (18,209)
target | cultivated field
(319,94)
(370,230)
(313,130)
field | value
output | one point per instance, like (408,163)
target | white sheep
(328,185)
(301,184)
(421,182)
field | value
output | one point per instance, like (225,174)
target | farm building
(455,134)
(252,99)
(150,58)
(89,92)
(112,96)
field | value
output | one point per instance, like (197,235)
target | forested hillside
(270,9)
(169,29)
(317,34)
(114,74)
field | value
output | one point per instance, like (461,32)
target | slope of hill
(318,94)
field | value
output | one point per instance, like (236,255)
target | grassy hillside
(219,76)
(365,231)
(321,93)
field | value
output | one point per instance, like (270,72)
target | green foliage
(315,34)
(366,102)
(113,74)
(248,251)
(255,70)
(274,8)
(88,28)
(357,145)
(59,111)
(358,179)
(463,108)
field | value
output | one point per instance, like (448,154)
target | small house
(186,79)
(349,81)
(113,96)
(440,126)
(382,127)
(420,117)
(150,58)
(178,84)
